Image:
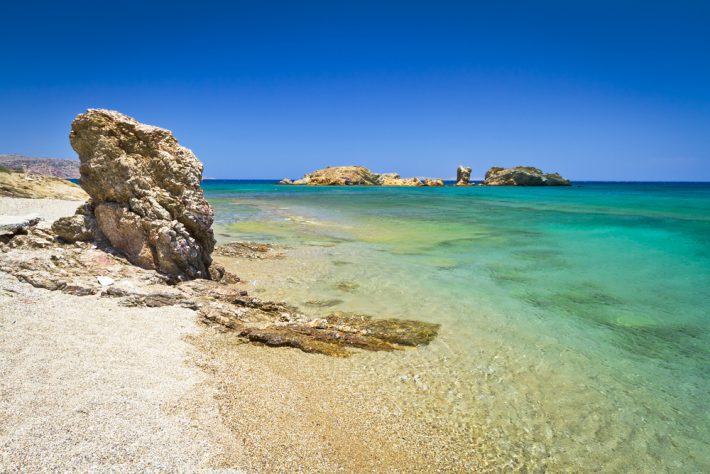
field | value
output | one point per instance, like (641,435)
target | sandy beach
(88,384)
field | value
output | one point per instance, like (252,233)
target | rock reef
(523,176)
(146,200)
(40,259)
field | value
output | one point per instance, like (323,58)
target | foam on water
(574,320)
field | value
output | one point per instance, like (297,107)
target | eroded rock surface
(523,176)
(402,182)
(463,175)
(40,259)
(340,176)
(81,227)
(145,194)
(358,176)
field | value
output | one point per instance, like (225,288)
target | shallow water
(574,320)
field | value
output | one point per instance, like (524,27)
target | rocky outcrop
(463,175)
(82,269)
(523,176)
(21,184)
(340,176)
(358,176)
(145,193)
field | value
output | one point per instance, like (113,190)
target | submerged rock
(463,175)
(523,176)
(250,250)
(145,192)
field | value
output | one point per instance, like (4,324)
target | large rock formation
(463,175)
(358,176)
(340,176)
(523,176)
(145,194)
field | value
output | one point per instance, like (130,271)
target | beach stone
(81,227)
(523,176)
(463,175)
(145,192)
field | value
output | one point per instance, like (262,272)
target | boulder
(433,182)
(285,181)
(145,193)
(81,227)
(523,176)
(463,175)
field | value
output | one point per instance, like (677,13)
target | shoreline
(224,403)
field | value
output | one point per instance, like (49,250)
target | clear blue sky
(259,89)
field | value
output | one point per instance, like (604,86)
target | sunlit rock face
(145,193)
(463,176)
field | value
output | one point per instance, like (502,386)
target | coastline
(153,388)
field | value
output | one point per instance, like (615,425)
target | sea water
(574,320)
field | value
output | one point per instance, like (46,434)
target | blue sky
(257,89)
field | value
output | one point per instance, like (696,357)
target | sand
(86,384)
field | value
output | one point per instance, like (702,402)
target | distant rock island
(358,176)
(361,176)
(523,176)
(57,167)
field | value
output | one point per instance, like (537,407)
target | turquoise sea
(575,321)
